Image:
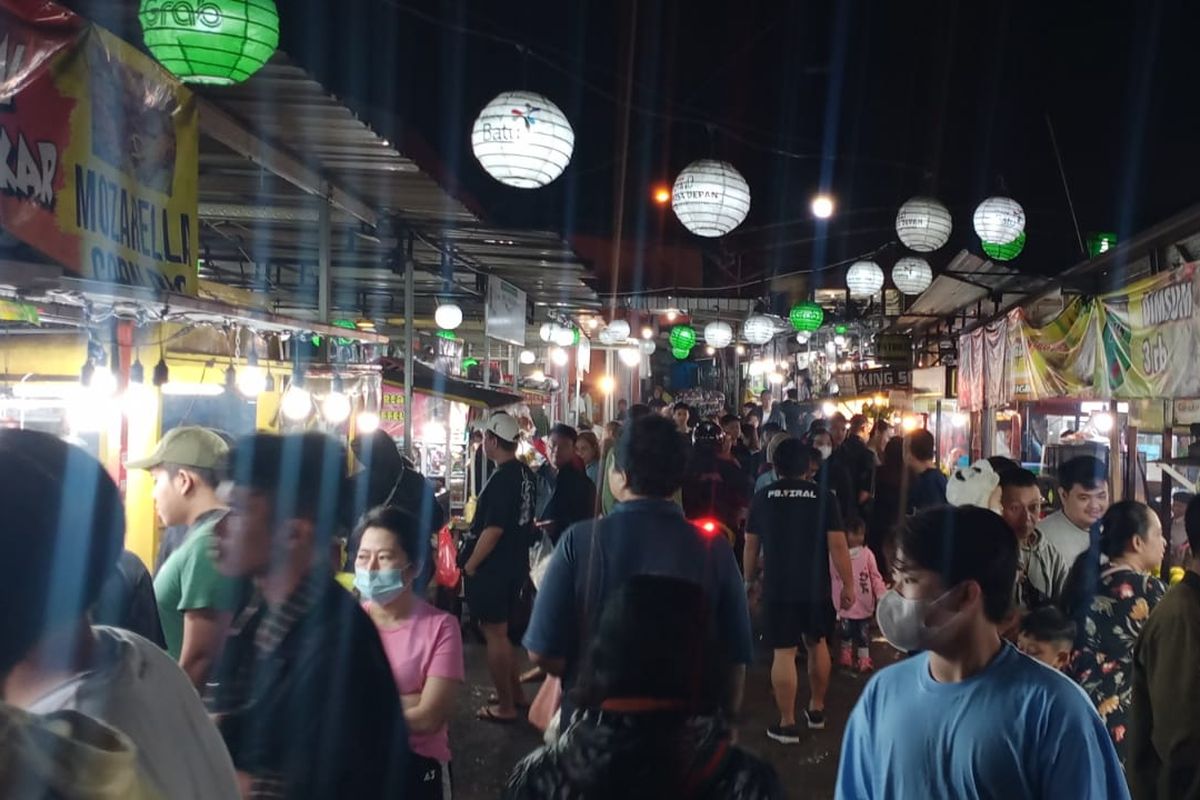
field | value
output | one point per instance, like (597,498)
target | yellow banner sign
(100,150)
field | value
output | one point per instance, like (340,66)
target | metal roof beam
(226,129)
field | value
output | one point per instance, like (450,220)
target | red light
(662,195)
(708,527)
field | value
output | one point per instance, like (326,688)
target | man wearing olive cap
(195,602)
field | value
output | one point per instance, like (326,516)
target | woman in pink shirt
(423,644)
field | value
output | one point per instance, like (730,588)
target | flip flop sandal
(486,714)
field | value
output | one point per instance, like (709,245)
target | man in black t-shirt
(496,563)
(574,495)
(799,527)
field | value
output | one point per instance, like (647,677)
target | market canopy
(429,381)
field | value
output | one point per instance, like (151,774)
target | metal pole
(1115,474)
(1164,508)
(608,398)
(487,372)
(324,248)
(409,322)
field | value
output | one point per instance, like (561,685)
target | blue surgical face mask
(380,586)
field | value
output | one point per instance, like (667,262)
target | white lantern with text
(758,329)
(864,279)
(522,139)
(912,275)
(999,220)
(710,197)
(923,224)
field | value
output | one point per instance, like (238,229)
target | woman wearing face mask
(423,644)
(1110,602)
(834,476)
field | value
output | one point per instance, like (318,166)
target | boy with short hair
(1048,636)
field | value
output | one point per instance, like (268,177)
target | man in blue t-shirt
(928,488)
(971,717)
(646,534)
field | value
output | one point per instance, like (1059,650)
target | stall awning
(427,380)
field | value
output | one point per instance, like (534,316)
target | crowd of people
(287,645)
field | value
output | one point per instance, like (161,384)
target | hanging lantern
(448,316)
(999,220)
(923,224)
(683,337)
(216,42)
(522,140)
(802,337)
(546,332)
(564,336)
(864,279)
(648,346)
(527,357)
(806,316)
(758,329)
(1005,252)
(630,356)
(681,353)
(718,334)
(912,275)
(710,198)
(618,331)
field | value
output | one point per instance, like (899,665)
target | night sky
(876,101)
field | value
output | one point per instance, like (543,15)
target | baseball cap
(189,446)
(503,426)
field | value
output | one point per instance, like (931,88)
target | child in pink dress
(854,622)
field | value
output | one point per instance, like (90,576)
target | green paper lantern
(806,316)
(444,334)
(470,362)
(211,42)
(349,325)
(574,336)
(1098,243)
(681,353)
(1005,252)
(840,330)
(683,337)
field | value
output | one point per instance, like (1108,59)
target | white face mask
(826,451)
(901,620)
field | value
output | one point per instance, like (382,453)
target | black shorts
(493,595)
(789,623)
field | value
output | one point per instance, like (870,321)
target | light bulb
(558,356)
(839,340)
(1103,420)
(251,381)
(960,420)
(775,377)
(564,337)
(710,350)
(606,384)
(828,409)
(740,349)
(527,357)
(367,422)
(822,206)
(647,332)
(336,407)
(537,376)
(297,403)
(448,316)
(103,382)
(630,356)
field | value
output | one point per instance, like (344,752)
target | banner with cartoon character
(1141,342)
(99,149)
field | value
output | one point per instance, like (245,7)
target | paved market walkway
(484,753)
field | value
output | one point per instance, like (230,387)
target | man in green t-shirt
(195,602)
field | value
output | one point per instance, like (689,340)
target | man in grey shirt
(55,553)
(1041,571)
(1083,490)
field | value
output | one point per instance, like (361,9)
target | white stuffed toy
(975,485)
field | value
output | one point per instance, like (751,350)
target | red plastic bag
(447,573)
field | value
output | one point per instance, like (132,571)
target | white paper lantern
(522,139)
(527,357)
(564,336)
(448,316)
(912,275)
(648,346)
(802,337)
(630,356)
(618,331)
(864,279)
(999,220)
(546,332)
(758,329)
(718,334)
(923,224)
(710,198)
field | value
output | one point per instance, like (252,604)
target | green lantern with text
(683,337)
(806,316)
(211,42)
(1005,252)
